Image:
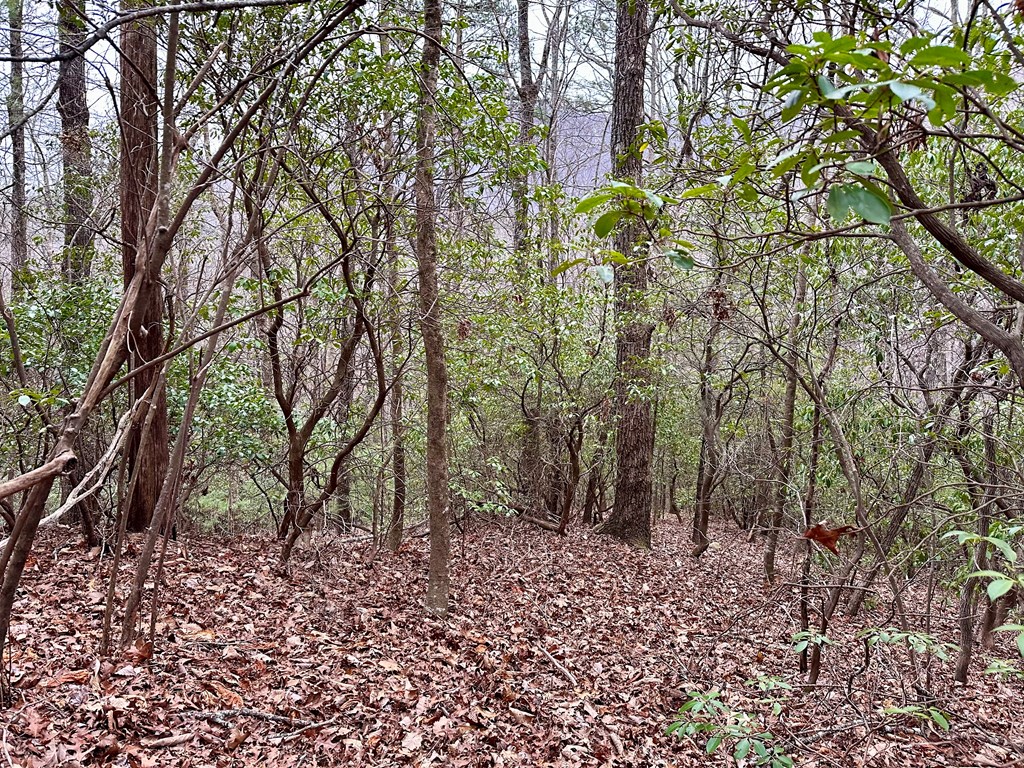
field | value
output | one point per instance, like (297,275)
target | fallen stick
(565,672)
(312,726)
(222,714)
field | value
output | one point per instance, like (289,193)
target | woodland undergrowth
(557,652)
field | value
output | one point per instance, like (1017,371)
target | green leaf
(699,191)
(800,647)
(743,127)
(827,89)
(998,588)
(606,223)
(940,56)
(713,743)
(681,259)
(791,107)
(1003,546)
(986,575)
(742,749)
(589,203)
(940,719)
(862,167)
(907,92)
(1002,84)
(870,205)
(566,265)
(838,203)
(810,170)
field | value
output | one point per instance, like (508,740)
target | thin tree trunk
(15,119)
(76,146)
(786,446)
(810,498)
(438,500)
(979,558)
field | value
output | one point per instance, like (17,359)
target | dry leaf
(236,737)
(412,741)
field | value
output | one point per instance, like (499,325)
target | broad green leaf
(908,47)
(862,167)
(681,259)
(826,87)
(1003,546)
(940,719)
(838,203)
(907,91)
(810,170)
(869,205)
(589,203)
(793,104)
(998,588)
(606,223)
(742,749)
(940,56)
(605,274)
(743,127)
(986,575)
(840,136)
(713,743)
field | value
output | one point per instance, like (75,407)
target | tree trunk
(810,498)
(76,146)
(979,558)
(786,446)
(396,527)
(438,499)
(630,519)
(140,107)
(15,118)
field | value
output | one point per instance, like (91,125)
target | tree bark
(438,499)
(786,445)
(15,119)
(76,146)
(140,109)
(630,518)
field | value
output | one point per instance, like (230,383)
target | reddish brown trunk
(140,106)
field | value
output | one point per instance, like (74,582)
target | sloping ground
(558,652)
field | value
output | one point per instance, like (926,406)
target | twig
(311,726)
(221,714)
(7,752)
(565,672)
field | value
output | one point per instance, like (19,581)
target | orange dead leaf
(827,537)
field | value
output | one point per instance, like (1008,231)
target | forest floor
(558,652)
